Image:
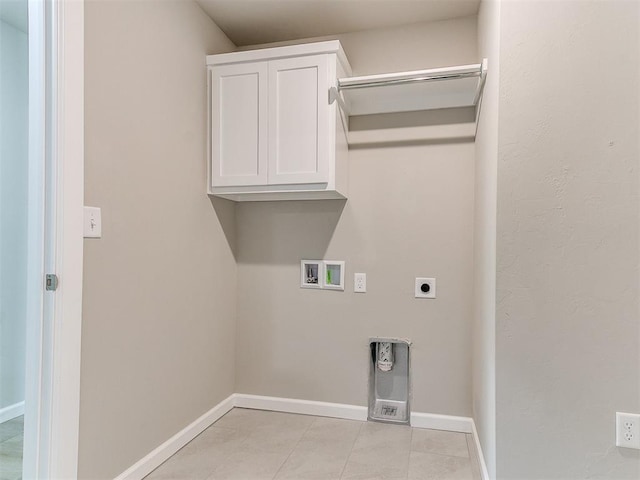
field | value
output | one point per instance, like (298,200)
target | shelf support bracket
(334,96)
(483,77)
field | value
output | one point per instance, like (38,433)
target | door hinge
(51,282)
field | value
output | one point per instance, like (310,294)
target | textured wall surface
(568,336)
(484,332)
(409,213)
(159,287)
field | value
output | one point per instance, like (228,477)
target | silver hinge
(51,282)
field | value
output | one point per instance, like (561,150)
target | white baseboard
(304,407)
(349,412)
(435,421)
(11,412)
(288,405)
(483,465)
(155,458)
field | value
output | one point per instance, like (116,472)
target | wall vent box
(389,381)
(311,273)
(333,278)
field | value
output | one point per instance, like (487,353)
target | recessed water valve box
(425,287)
(311,273)
(333,275)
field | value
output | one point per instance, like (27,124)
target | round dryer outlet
(425,287)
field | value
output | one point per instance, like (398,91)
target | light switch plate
(92,222)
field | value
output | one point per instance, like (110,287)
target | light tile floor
(255,445)
(11,435)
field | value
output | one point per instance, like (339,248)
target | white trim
(156,457)
(304,407)
(56,109)
(68,221)
(349,412)
(263,54)
(435,421)
(36,380)
(11,412)
(483,465)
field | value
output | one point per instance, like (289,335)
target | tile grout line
(440,454)
(344,467)
(245,432)
(476,471)
(294,448)
(410,450)
(445,454)
(213,425)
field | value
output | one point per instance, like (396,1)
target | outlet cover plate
(360,282)
(430,287)
(628,430)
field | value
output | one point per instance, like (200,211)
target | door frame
(52,403)
(69,221)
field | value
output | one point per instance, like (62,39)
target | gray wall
(410,47)
(409,213)
(568,336)
(159,287)
(14,102)
(486,162)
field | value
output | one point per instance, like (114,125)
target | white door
(239,124)
(298,120)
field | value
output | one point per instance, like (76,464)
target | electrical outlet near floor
(628,430)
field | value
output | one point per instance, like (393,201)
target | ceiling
(251,22)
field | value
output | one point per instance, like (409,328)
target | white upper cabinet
(274,134)
(239,124)
(298,120)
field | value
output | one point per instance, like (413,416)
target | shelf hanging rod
(401,81)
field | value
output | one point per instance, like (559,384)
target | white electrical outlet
(360,282)
(628,430)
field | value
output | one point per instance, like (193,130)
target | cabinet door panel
(239,124)
(298,120)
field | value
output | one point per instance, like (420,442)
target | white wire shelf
(450,87)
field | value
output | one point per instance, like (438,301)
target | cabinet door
(298,120)
(239,124)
